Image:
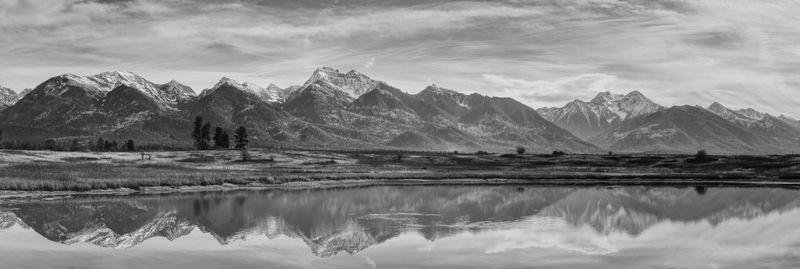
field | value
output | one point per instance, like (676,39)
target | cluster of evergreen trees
(201,135)
(109,145)
(75,145)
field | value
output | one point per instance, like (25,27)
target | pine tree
(240,137)
(218,137)
(100,145)
(129,146)
(205,135)
(196,133)
(50,144)
(226,140)
(75,145)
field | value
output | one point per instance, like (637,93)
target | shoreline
(47,173)
(7,196)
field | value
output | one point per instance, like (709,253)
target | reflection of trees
(349,220)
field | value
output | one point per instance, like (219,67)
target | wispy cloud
(545,52)
(369,64)
(552,92)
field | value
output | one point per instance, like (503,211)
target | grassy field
(84,171)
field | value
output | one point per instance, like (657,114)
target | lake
(410,227)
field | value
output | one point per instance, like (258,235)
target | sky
(742,53)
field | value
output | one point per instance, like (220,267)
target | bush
(520,150)
(701,155)
(558,153)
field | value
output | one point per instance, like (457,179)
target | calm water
(411,227)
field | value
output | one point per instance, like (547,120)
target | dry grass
(81,171)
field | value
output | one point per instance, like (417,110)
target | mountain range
(346,110)
(633,123)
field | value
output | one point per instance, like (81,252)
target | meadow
(22,170)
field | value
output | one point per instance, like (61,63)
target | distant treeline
(75,145)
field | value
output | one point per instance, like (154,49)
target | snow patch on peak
(752,114)
(746,117)
(606,110)
(353,83)
(459,98)
(606,98)
(167,95)
(444,91)
(7,97)
(173,83)
(86,81)
(112,79)
(226,81)
(252,86)
(270,94)
(327,69)
(716,106)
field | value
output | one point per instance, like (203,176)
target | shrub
(520,150)
(701,155)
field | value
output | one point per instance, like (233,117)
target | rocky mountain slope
(633,123)
(351,110)
(7,97)
(352,83)
(345,110)
(107,103)
(604,112)
(789,120)
(683,129)
(782,132)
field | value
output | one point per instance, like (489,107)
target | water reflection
(337,221)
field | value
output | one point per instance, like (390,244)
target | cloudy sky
(743,53)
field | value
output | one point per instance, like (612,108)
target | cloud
(544,52)
(369,63)
(552,92)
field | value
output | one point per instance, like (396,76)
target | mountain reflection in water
(350,220)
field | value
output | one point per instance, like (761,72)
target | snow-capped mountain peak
(353,83)
(229,82)
(252,86)
(605,98)
(626,106)
(277,94)
(745,117)
(270,94)
(606,110)
(722,111)
(167,95)
(112,79)
(7,97)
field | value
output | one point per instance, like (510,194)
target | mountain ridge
(603,112)
(352,110)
